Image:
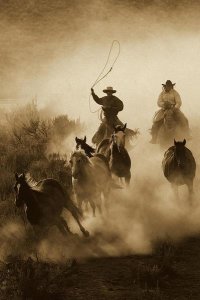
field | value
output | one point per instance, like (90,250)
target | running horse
(116,153)
(179,166)
(107,129)
(92,179)
(44,203)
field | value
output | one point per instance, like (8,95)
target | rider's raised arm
(160,101)
(177,99)
(96,98)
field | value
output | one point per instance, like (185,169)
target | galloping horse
(171,128)
(179,166)
(107,130)
(92,178)
(45,202)
(116,153)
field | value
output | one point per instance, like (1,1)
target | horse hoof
(86,233)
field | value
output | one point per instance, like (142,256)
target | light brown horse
(92,179)
(115,151)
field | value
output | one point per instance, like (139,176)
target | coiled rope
(101,76)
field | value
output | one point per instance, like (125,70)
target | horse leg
(128,179)
(175,190)
(106,195)
(79,202)
(86,206)
(98,202)
(83,230)
(92,204)
(62,226)
(190,189)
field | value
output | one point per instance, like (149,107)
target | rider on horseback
(111,105)
(168,98)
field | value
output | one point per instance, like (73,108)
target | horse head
(180,152)
(81,144)
(118,137)
(19,189)
(78,161)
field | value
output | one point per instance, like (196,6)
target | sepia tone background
(53,51)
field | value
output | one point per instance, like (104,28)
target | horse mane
(103,143)
(30,181)
(119,128)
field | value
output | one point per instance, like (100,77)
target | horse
(44,203)
(81,143)
(179,166)
(92,179)
(171,127)
(116,153)
(106,129)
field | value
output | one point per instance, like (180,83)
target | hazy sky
(56,49)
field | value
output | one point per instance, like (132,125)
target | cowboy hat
(109,89)
(168,83)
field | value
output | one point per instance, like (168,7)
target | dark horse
(45,202)
(179,166)
(116,153)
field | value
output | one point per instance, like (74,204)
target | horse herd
(95,172)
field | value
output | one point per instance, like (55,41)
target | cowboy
(111,105)
(168,98)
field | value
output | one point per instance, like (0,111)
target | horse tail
(74,210)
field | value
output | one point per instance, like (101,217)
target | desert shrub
(25,139)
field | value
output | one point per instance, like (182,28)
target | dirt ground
(172,272)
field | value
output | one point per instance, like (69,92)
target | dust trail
(138,217)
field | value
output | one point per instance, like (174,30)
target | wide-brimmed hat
(109,89)
(168,83)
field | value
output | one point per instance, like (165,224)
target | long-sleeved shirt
(172,97)
(110,103)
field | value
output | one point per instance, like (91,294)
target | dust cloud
(55,51)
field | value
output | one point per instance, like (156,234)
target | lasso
(101,76)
